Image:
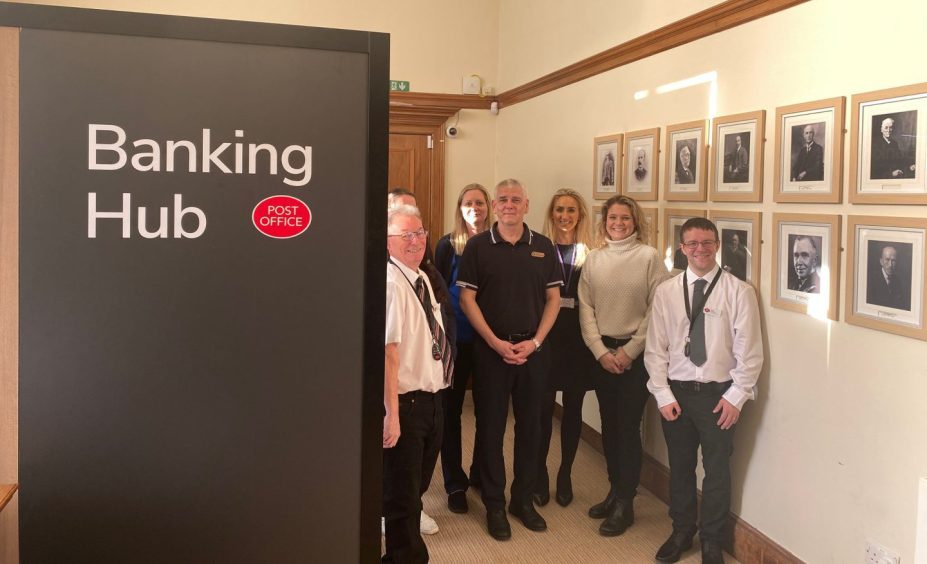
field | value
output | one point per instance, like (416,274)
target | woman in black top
(572,365)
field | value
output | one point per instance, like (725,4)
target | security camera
(452,131)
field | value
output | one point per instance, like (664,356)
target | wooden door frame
(413,113)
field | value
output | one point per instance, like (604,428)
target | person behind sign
(418,366)
(510,280)
(704,354)
(615,291)
(571,365)
(471,217)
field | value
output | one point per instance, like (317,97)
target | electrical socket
(878,554)
(489,90)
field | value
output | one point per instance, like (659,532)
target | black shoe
(675,545)
(457,502)
(498,525)
(541,499)
(711,553)
(619,518)
(600,510)
(529,516)
(564,489)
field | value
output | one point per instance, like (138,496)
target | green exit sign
(399,85)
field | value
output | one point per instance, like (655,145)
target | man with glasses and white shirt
(418,366)
(704,354)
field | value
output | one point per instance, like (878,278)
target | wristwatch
(537,345)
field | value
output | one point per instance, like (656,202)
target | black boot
(619,518)
(600,510)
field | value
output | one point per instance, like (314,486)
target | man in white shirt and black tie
(704,355)
(418,365)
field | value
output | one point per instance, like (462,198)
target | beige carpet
(571,535)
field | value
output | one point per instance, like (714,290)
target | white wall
(830,455)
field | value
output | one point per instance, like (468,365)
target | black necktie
(697,353)
(441,348)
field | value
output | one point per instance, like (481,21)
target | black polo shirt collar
(526,236)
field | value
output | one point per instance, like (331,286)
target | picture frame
(806,263)
(650,219)
(809,152)
(888,148)
(640,166)
(737,157)
(673,257)
(741,234)
(885,286)
(606,166)
(686,182)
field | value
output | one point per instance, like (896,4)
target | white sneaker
(427,525)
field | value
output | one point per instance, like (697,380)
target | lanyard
(693,313)
(567,274)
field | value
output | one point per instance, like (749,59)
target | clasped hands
(616,362)
(514,353)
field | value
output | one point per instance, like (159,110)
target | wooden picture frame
(741,234)
(809,152)
(673,257)
(650,218)
(606,166)
(640,170)
(686,183)
(888,146)
(737,157)
(886,290)
(806,263)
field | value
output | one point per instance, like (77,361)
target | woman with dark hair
(472,216)
(615,292)
(572,367)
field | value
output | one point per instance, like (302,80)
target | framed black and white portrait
(809,152)
(685,161)
(888,153)
(640,171)
(606,164)
(885,274)
(673,257)
(737,157)
(806,261)
(650,220)
(740,234)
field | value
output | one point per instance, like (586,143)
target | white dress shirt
(407,326)
(732,338)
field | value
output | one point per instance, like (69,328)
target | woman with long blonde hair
(572,367)
(471,216)
(615,293)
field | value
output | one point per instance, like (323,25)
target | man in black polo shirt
(510,280)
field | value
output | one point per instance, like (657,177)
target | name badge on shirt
(568,302)
(537,254)
(713,313)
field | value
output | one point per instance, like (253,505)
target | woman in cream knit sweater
(615,292)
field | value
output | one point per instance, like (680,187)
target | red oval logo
(281,217)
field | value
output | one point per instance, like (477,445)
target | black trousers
(525,385)
(455,479)
(622,398)
(407,470)
(697,425)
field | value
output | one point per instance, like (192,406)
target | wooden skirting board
(749,546)
(6,494)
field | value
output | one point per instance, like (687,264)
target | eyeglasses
(692,245)
(407,236)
